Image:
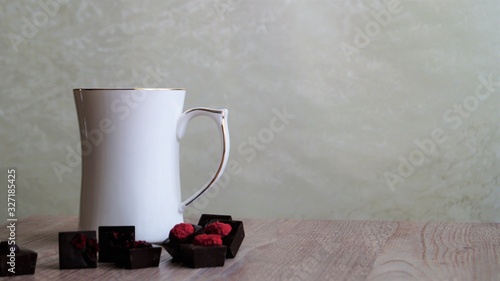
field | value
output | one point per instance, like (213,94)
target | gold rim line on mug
(129,89)
(195,196)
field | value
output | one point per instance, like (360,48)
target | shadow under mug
(130,158)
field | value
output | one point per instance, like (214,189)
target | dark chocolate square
(77,249)
(203,256)
(234,239)
(25,261)
(134,258)
(207,218)
(107,240)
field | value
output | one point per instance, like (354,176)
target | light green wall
(366,85)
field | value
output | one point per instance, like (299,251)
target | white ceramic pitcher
(130,158)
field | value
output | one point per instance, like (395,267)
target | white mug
(130,158)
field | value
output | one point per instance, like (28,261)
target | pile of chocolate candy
(207,244)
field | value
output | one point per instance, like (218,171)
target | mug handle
(220,117)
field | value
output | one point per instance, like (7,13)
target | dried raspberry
(141,244)
(79,241)
(92,244)
(219,228)
(92,249)
(181,231)
(207,240)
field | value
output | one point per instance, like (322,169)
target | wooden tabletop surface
(303,250)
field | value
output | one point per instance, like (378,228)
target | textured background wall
(338,109)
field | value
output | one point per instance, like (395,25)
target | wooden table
(304,250)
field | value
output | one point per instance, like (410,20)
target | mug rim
(129,89)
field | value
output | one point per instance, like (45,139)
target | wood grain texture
(304,250)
